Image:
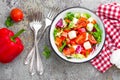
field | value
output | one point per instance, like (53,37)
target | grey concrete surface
(54,67)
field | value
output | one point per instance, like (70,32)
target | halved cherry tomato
(83,52)
(63,38)
(16,14)
(81,38)
(92,39)
(86,52)
(68,51)
(72,42)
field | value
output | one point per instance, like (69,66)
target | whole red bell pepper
(10,45)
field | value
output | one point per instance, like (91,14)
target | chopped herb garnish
(46,52)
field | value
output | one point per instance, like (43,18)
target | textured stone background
(54,68)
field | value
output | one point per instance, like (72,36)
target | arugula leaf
(87,15)
(61,48)
(9,22)
(69,16)
(98,33)
(97,28)
(55,32)
(46,52)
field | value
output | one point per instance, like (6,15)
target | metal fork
(51,14)
(48,20)
(35,25)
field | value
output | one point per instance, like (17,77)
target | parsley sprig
(46,52)
(9,22)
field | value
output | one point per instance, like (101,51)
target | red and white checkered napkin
(110,15)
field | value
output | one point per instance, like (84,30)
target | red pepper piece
(10,45)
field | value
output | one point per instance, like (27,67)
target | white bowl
(61,15)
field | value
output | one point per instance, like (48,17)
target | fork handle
(32,68)
(39,62)
(29,56)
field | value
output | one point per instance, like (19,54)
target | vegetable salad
(77,34)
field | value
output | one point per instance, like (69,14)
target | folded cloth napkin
(110,15)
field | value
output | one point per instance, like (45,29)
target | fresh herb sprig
(9,22)
(46,52)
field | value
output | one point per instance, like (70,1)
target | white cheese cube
(72,34)
(75,20)
(90,26)
(87,45)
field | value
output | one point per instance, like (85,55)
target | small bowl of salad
(77,34)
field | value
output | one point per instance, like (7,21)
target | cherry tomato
(86,52)
(16,14)
(62,38)
(72,42)
(92,39)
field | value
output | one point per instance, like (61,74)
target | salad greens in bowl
(77,34)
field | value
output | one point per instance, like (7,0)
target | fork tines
(35,15)
(52,12)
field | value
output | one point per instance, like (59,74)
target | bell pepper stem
(17,34)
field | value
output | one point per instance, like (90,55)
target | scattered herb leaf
(9,22)
(46,52)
